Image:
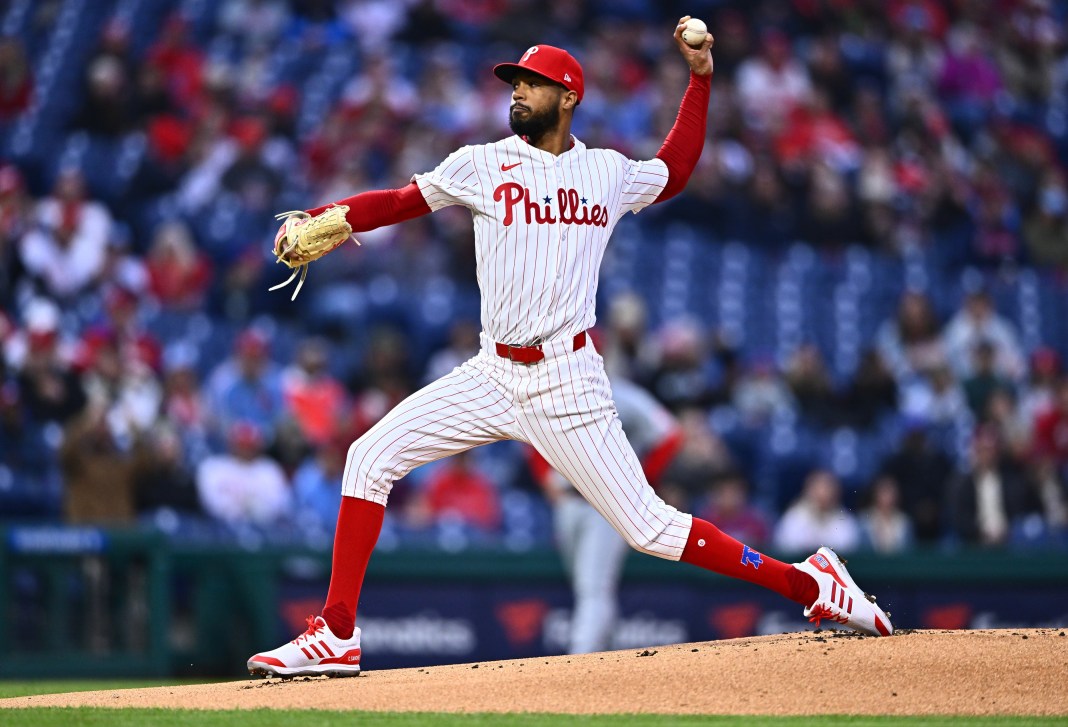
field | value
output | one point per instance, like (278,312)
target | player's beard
(535,124)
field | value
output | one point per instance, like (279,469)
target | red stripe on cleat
(883,630)
(316,650)
(326,648)
(267,660)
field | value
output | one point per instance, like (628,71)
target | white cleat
(316,652)
(840,599)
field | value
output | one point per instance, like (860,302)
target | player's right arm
(684,143)
(450,183)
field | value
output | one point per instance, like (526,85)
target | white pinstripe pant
(562,406)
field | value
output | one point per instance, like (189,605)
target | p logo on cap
(530,51)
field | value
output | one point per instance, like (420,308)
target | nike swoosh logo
(506,167)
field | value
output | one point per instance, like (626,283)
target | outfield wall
(91,602)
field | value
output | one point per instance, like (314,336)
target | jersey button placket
(561,234)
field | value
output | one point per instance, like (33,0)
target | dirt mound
(1008,672)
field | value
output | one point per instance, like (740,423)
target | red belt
(532,354)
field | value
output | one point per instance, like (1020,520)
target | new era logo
(567,77)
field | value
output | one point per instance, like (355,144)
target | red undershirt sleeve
(684,142)
(371,210)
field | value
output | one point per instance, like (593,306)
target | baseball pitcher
(543,206)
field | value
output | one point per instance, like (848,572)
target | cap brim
(507,71)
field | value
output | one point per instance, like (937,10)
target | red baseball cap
(554,63)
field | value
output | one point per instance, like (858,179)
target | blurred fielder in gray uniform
(592,551)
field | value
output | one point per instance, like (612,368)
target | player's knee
(366,475)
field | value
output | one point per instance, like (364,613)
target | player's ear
(570,100)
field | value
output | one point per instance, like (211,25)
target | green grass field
(52,717)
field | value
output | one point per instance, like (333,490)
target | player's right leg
(462,410)
(578,432)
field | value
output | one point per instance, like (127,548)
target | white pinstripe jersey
(541,227)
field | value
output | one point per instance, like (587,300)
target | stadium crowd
(147,374)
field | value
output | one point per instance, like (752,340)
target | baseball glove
(303,239)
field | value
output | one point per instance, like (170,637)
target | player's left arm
(379,208)
(684,142)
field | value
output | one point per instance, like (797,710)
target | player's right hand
(699,59)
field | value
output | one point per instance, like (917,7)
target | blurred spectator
(984,380)
(242,486)
(98,485)
(249,175)
(180,62)
(16,79)
(462,345)
(247,386)
(761,394)
(872,393)
(976,322)
(699,461)
(911,342)
(626,344)
(1027,54)
(686,375)
(317,484)
(121,384)
(66,252)
(108,108)
(161,478)
(828,219)
(990,495)
(814,134)
(384,380)
(256,22)
(772,219)
(938,399)
(817,518)
(1039,392)
(49,389)
(178,273)
(1051,428)
(922,472)
(1046,228)
(771,84)
(886,528)
(969,81)
(810,383)
(1003,416)
(316,400)
(457,490)
(16,212)
(184,406)
(729,509)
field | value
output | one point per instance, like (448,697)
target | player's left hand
(699,59)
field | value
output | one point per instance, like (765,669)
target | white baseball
(694,33)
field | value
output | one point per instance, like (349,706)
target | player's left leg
(571,420)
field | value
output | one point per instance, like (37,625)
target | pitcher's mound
(1010,672)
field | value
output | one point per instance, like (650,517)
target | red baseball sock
(710,548)
(358,524)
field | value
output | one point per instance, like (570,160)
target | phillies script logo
(573,209)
